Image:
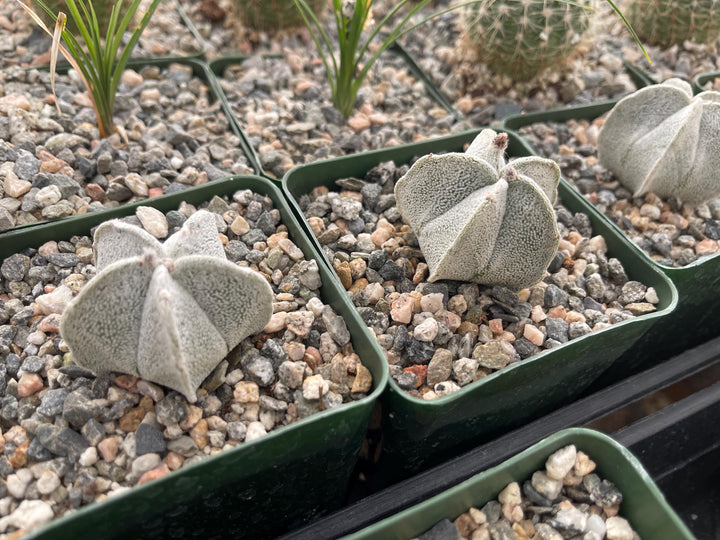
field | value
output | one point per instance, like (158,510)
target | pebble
(153,221)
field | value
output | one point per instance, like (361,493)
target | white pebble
(89,457)
(255,430)
(315,387)
(316,306)
(48,482)
(153,220)
(17,483)
(55,301)
(145,463)
(561,462)
(427,330)
(48,195)
(30,514)
(618,529)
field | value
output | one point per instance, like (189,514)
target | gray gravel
(54,166)
(566,499)
(70,438)
(22,43)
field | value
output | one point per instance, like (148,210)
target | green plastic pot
(257,489)
(201,70)
(702,79)
(697,317)
(419,433)
(219,65)
(643,504)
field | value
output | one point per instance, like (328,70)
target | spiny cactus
(520,38)
(477,219)
(671,22)
(168,313)
(664,140)
(274,14)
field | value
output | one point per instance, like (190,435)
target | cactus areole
(168,313)
(664,140)
(478,219)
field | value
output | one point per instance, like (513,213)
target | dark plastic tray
(680,448)
(418,433)
(702,79)
(650,440)
(697,316)
(259,488)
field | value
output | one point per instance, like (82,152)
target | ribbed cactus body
(671,22)
(274,14)
(168,313)
(521,38)
(478,219)
(664,140)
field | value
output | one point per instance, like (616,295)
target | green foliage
(103,10)
(274,14)
(521,38)
(168,313)
(671,22)
(478,219)
(94,54)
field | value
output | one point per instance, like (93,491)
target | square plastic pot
(643,504)
(419,433)
(219,65)
(697,316)
(201,70)
(257,489)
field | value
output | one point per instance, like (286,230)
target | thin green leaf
(311,20)
(630,28)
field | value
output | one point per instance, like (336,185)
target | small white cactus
(478,219)
(664,140)
(168,313)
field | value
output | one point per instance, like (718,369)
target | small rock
(153,221)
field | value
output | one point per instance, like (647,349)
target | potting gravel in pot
(172,338)
(23,44)
(283,105)
(545,279)
(576,483)
(56,165)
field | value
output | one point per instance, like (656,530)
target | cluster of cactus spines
(664,140)
(478,219)
(521,38)
(274,14)
(168,313)
(672,22)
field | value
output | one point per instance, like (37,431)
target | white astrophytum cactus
(664,140)
(478,219)
(168,313)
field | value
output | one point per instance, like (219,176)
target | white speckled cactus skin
(480,220)
(168,313)
(664,140)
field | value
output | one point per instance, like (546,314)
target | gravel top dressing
(70,438)
(54,166)
(566,499)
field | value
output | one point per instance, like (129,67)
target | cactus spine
(520,38)
(274,14)
(671,22)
